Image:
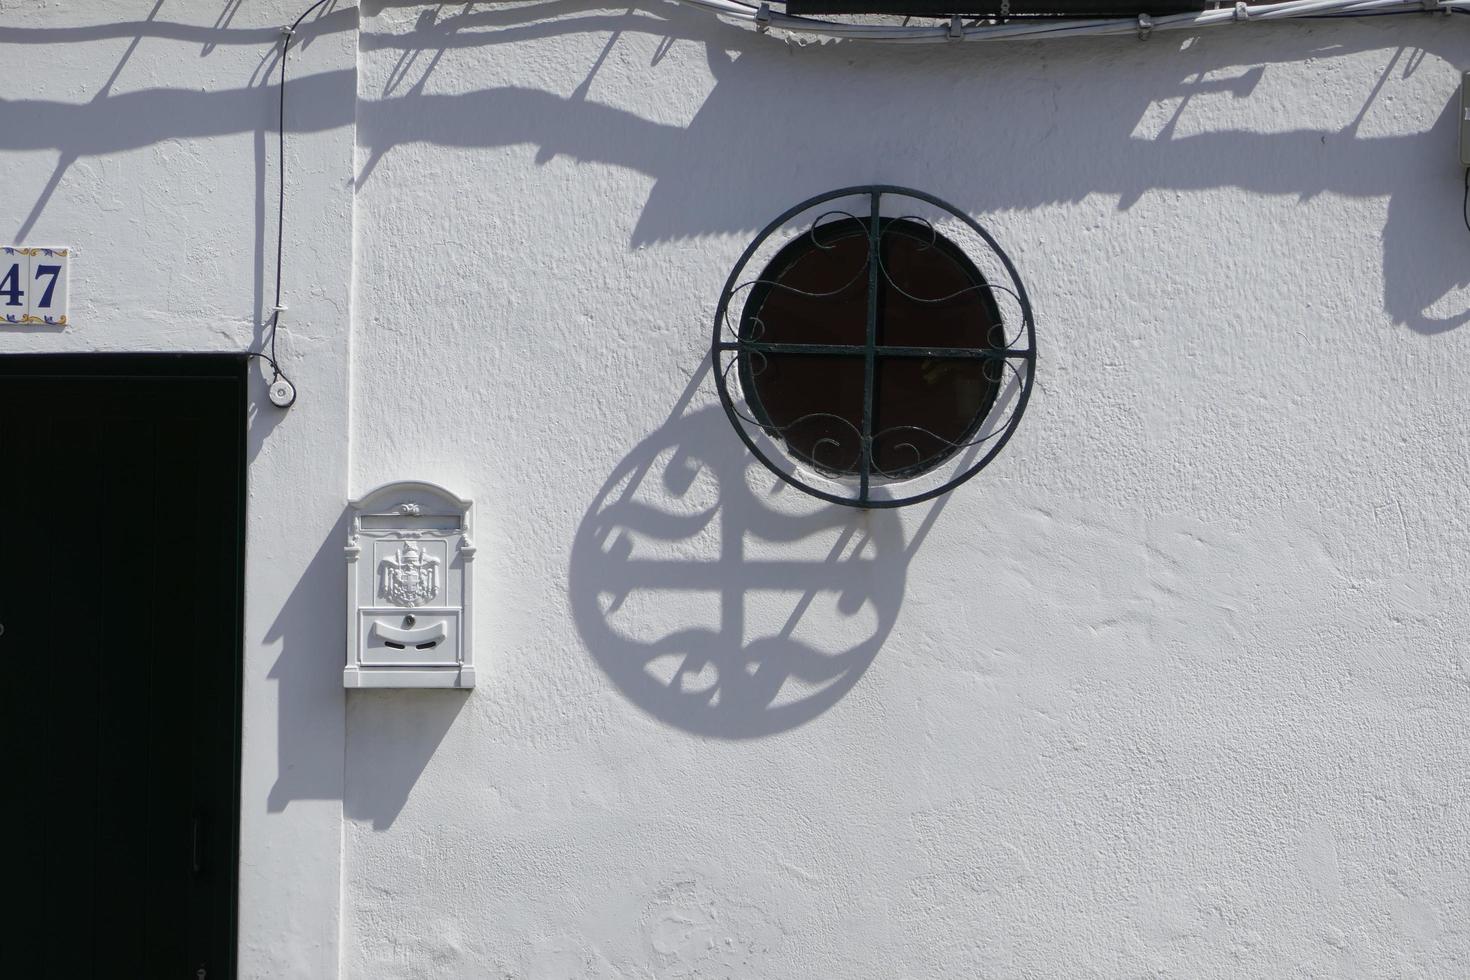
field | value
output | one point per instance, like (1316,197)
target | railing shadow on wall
(1091,139)
(1075,141)
(723,602)
(115,122)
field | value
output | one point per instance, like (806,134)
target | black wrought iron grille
(874,363)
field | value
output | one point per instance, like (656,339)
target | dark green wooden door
(121,516)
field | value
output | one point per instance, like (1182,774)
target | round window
(873,351)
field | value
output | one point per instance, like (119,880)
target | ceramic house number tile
(33,284)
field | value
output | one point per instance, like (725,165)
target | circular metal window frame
(740,349)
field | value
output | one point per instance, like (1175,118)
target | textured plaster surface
(1177,687)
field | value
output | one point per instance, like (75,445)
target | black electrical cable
(270,354)
(1465,202)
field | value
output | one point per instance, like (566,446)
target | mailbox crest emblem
(411,577)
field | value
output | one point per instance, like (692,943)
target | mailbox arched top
(412,497)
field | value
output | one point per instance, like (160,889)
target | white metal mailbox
(409,560)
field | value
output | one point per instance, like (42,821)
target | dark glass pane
(930,295)
(815,292)
(814,403)
(924,408)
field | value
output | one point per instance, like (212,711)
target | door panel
(121,516)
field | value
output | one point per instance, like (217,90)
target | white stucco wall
(1178,686)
